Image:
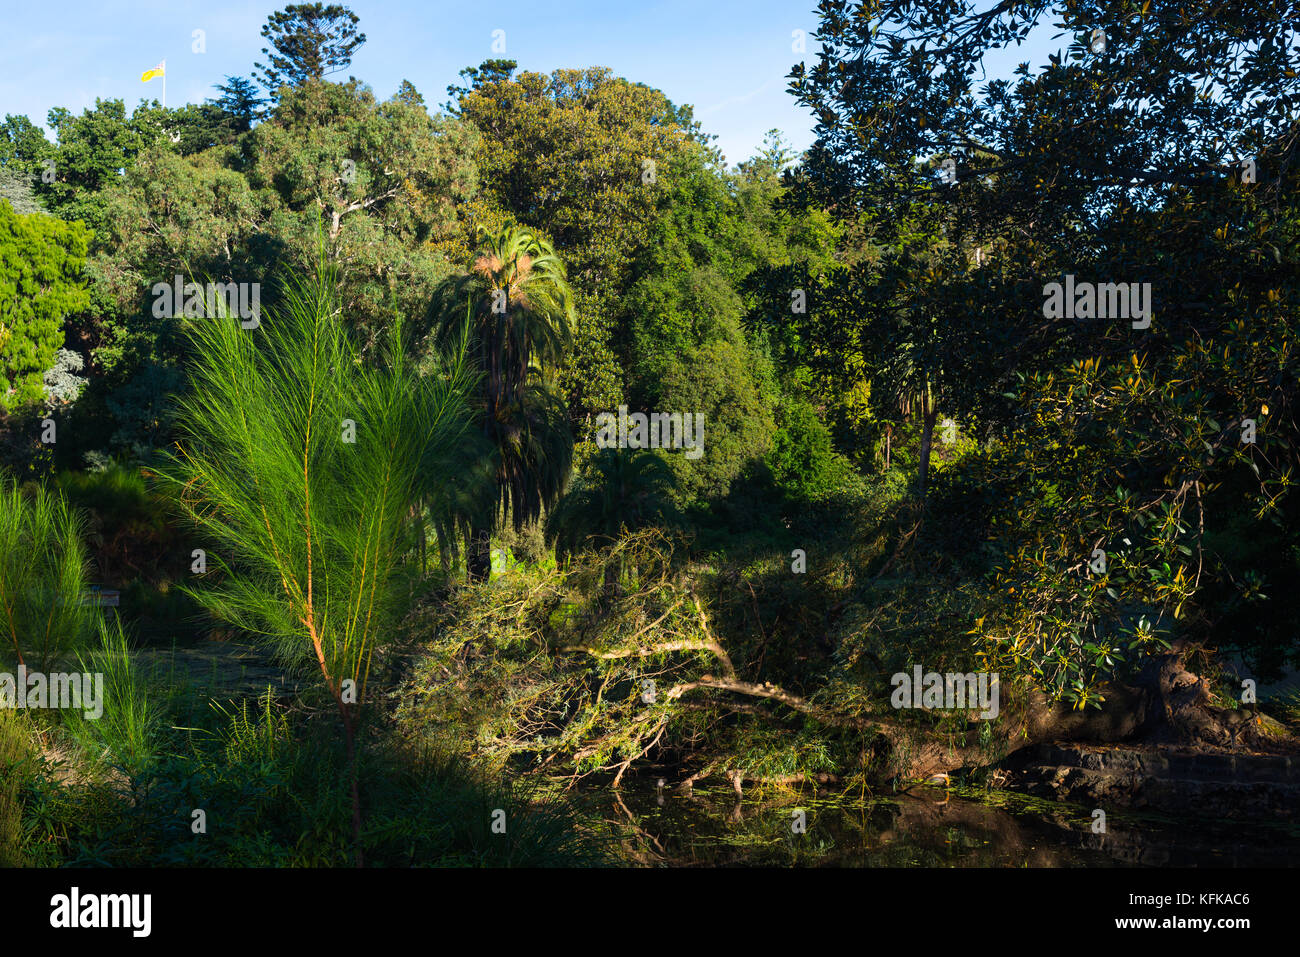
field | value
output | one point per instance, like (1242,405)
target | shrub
(803,461)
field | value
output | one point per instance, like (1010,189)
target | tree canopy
(309,41)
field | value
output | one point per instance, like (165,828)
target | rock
(1190,783)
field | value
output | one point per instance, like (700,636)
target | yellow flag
(148,75)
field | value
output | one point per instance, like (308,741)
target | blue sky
(727,58)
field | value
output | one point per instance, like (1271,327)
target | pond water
(925,827)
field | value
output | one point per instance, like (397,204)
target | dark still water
(926,827)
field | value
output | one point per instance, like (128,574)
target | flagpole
(164,84)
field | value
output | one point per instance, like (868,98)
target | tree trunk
(929,412)
(350,734)
(478,556)
(1165,705)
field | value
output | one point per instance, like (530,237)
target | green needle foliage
(43,571)
(303,464)
(125,736)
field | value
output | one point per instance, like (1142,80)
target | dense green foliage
(40,283)
(1106,434)
(908,457)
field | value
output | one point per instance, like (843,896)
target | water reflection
(927,827)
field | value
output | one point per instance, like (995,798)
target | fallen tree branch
(618,778)
(774,693)
(645,651)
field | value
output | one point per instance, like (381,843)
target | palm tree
(629,490)
(517,322)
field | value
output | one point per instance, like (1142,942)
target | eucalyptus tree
(391,182)
(514,311)
(302,464)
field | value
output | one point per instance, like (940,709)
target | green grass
(271,781)
(15,755)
